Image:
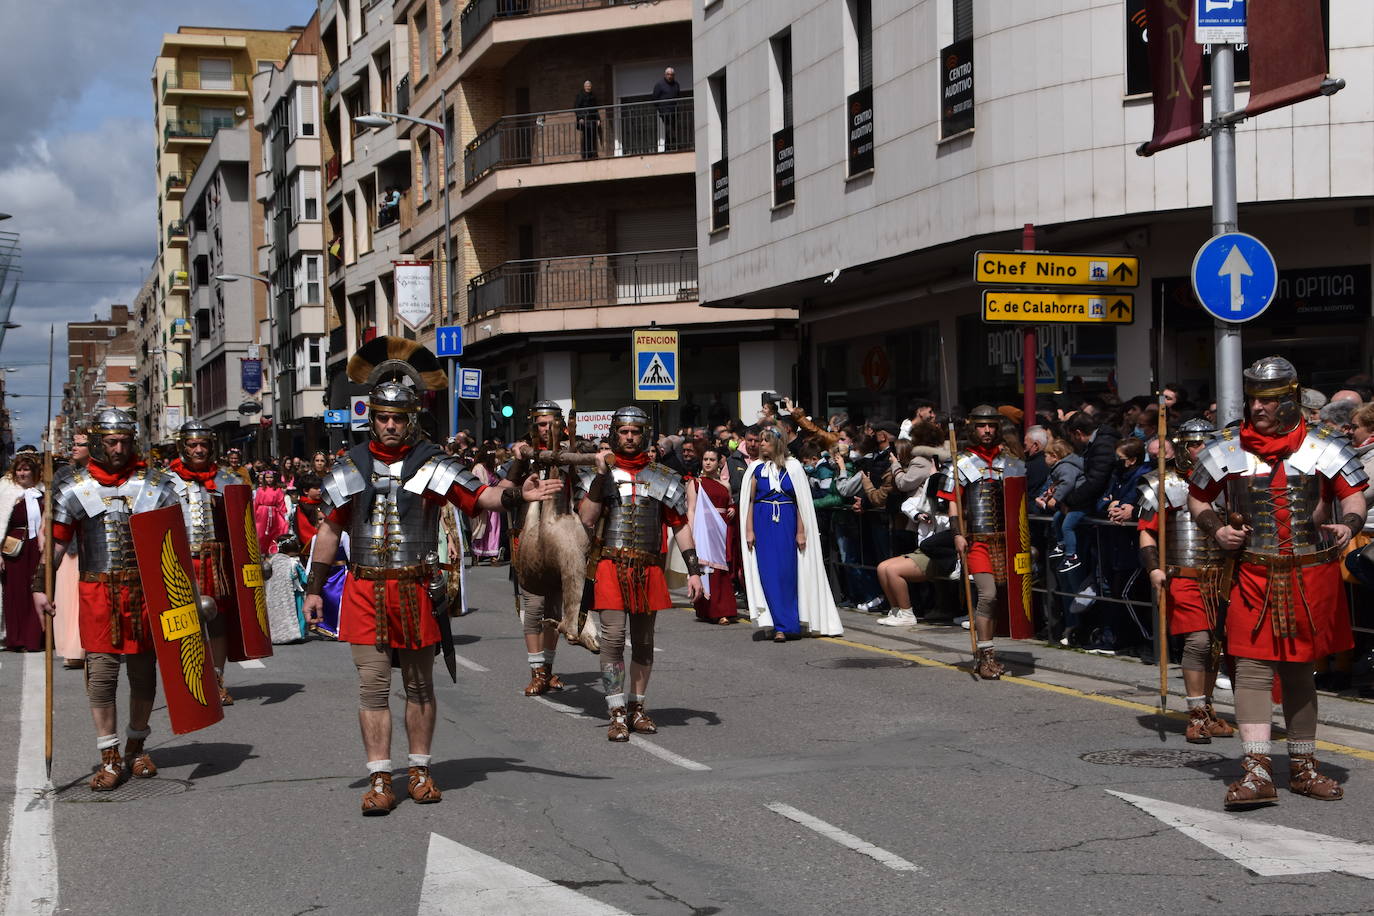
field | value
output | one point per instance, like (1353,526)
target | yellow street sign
(1020,306)
(655,364)
(1033,268)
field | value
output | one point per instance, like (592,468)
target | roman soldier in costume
(93,505)
(1191,575)
(539,615)
(626,508)
(200,483)
(388,494)
(982,468)
(1294,496)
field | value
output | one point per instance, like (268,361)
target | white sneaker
(902,617)
(1223,682)
(962,621)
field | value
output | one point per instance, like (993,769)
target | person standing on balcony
(588,109)
(666,94)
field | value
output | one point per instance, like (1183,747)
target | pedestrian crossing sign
(655,364)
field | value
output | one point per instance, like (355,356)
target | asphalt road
(773,763)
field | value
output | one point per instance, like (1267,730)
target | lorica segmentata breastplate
(1185,546)
(381,536)
(982,482)
(634,516)
(102,513)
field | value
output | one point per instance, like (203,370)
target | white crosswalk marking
(30,873)
(461,880)
(844,838)
(469,664)
(252,663)
(642,743)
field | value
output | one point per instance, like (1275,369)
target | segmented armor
(102,513)
(634,520)
(1186,547)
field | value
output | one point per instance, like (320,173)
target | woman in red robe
(720,607)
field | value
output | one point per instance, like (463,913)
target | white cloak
(818,612)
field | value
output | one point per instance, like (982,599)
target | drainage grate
(132,790)
(863,661)
(1159,758)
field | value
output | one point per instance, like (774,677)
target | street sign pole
(1030,349)
(1224,219)
(453,396)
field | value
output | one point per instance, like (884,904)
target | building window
(308,182)
(426,192)
(858,79)
(780,115)
(718,147)
(309,290)
(422,41)
(956,100)
(305,112)
(445,26)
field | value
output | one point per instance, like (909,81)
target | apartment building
(226,353)
(201,82)
(289,187)
(101,368)
(857,153)
(366,56)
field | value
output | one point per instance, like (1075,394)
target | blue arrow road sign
(448,340)
(1234,276)
(470,383)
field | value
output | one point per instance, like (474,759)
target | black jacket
(1098,459)
(587,106)
(1037,472)
(666,94)
(737,462)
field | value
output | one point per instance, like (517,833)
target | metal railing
(586,281)
(331,84)
(177,181)
(541,138)
(403,95)
(176,229)
(195,80)
(479,14)
(195,128)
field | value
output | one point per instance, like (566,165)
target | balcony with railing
(504,26)
(177,233)
(403,95)
(176,183)
(553,137)
(194,83)
(332,170)
(180,281)
(331,88)
(194,130)
(586,281)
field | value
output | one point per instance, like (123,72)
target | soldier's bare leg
(641,666)
(985,626)
(374,721)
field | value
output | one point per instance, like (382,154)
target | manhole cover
(132,790)
(861,662)
(1151,757)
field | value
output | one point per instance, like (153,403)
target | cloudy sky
(77,161)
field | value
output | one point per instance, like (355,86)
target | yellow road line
(1068,691)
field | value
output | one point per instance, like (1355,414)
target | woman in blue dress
(775,533)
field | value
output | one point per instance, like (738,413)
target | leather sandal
(555,682)
(111,771)
(224,698)
(640,721)
(1304,779)
(421,787)
(137,761)
(1199,726)
(1218,727)
(620,729)
(379,798)
(539,681)
(1256,787)
(986,665)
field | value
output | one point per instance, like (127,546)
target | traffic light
(493,407)
(507,404)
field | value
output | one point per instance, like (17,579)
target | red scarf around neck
(988,454)
(1273,448)
(632,462)
(114,478)
(390,456)
(205,477)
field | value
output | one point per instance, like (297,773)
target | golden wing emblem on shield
(250,533)
(182,597)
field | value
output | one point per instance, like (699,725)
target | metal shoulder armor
(665,485)
(1220,457)
(584,480)
(226,478)
(1148,502)
(66,503)
(969,467)
(343,482)
(1011,465)
(158,491)
(439,474)
(1330,454)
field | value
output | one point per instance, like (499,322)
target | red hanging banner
(173,618)
(249,633)
(1175,74)
(1287,53)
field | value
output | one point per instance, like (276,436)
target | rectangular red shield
(250,635)
(173,617)
(1020,615)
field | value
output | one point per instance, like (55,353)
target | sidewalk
(944,642)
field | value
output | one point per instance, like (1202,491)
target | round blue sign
(1235,276)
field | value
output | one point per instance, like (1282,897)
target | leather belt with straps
(401,573)
(1292,561)
(123,575)
(630,553)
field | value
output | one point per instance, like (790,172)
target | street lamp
(383,119)
(234,278)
